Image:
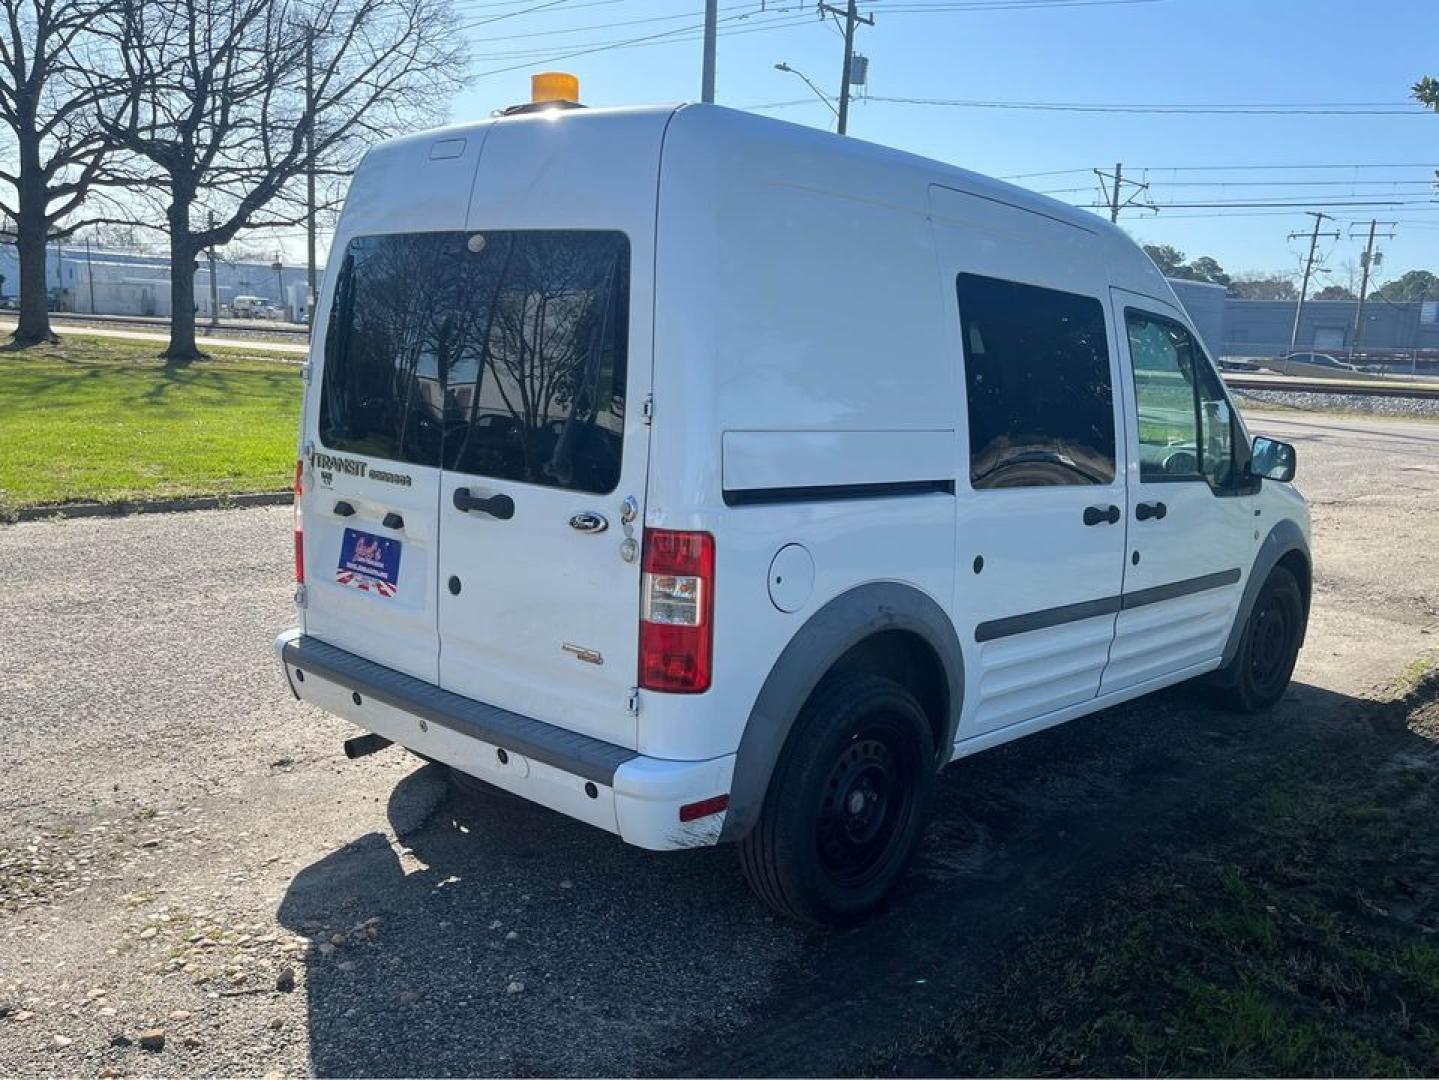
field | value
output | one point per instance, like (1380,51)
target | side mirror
(1272,459)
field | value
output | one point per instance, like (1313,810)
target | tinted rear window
(499,354)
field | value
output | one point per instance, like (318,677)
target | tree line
(1172,263)
(202,119)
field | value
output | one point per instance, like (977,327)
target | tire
(1260,672)
(847,802)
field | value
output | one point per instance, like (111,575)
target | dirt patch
(1302,939)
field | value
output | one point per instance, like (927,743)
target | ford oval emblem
(587,521)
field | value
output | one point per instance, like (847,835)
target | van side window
(1186,427)
(499,354)
(1036,368)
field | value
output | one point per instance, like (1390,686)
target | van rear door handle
(393,521)
(344,509)
(1101,515)
(1145,511)
(498,506)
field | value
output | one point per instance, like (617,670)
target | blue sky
(1144,53)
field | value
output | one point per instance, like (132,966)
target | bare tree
(52,87)
(217,110)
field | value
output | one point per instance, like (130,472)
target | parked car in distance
(713,479)
(250,307)
(1290,362)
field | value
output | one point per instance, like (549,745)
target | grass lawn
(1301,942)
(101,419)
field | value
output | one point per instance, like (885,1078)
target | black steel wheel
(846,804)
(1260,672)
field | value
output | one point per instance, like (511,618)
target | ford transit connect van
(712,479)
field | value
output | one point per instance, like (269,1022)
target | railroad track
(1365,387)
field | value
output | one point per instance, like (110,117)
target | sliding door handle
(1101,515)
(1145,511)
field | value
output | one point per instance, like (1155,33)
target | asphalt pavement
(185,850)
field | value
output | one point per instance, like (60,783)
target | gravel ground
(184,850)
(1372,404)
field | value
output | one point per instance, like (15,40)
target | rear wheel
(847,803)
(1260,672)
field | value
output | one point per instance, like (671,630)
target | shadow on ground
(513,941)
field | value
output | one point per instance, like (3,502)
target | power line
(1283,183)
(1246,168)
(1233,168)
(1298,109)
(1274,204)
(910,7)
(663,37)
(556,31)
(513,14)
(1276,109)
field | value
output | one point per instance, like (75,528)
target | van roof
(741,125)
(881,172)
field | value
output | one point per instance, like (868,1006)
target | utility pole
(1367,261)
(1319,219)
(309,175)
(90,274)
(1113,185)
(214,285)
(279,268)
(850,16)
(707,76)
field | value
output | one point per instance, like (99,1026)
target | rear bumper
(638,798)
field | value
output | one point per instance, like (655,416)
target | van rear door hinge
(633,705)
(305,372)
(647,410)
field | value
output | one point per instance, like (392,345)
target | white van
(712,479)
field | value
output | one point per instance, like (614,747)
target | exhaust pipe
(364,745)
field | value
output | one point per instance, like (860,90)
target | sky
(1327,56)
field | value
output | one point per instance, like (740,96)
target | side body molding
(1283,538)
(829,633)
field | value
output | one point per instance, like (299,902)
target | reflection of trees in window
(388,334)
(544,358)
(500,354)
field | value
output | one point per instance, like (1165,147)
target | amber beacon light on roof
(549,90)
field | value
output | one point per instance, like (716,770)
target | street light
(817,91)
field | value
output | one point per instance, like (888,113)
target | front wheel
(1260,672)
(847,802)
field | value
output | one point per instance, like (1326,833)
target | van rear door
(373,423)
(546,440)
(373,440)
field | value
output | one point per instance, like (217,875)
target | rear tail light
(299,523)
(676,613)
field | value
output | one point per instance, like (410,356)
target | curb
(147,506)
